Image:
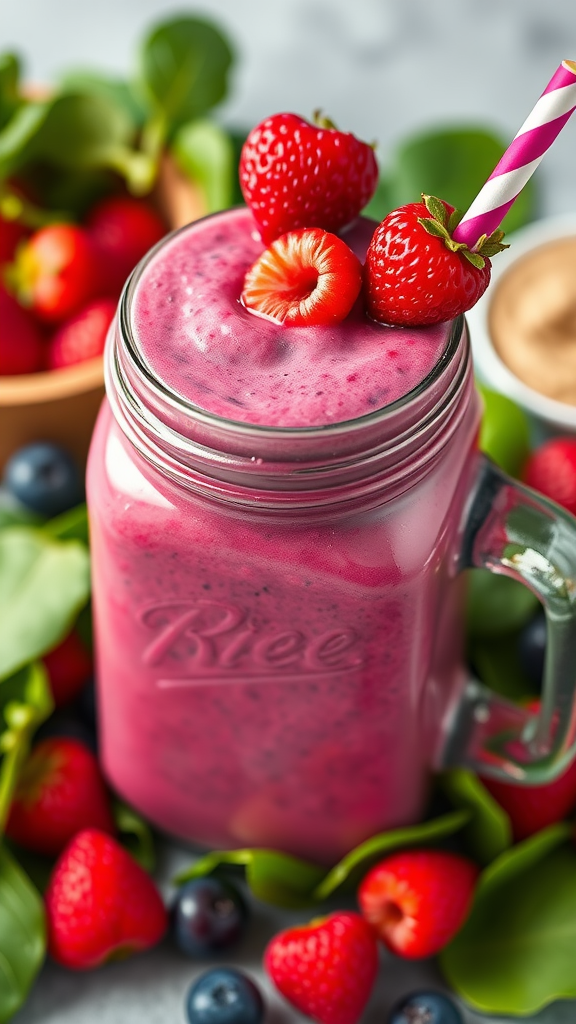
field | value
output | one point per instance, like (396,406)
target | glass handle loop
(509,529)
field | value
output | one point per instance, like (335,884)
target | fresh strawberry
(417,900)
(60,791)
(100,904)
(415,274)
(21,346)
(307,277)
(69,665)
(552,471)
(54,272)
(326,969)
(531,808)
(294,174)
(83,336)
(122,230)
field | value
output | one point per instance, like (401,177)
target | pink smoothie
(272,679)
(197,337)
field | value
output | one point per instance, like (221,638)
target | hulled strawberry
(416,274)
(295,174)
(326,969)
(417,900)
(100,904)
(307,277)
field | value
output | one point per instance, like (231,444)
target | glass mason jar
(278,612)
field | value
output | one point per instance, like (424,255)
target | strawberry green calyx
(321,121)
(442,225)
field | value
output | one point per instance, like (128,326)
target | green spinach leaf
(288,881)
(136,835)
(356,863)
(84,131)
(22,935)
(9,94)
(115,90)
(274,877)
(517,950)
(205,153)
(496,604)
(25,701)
(70,525)
(182,73)
(18,134)
(489,831)
(44,583)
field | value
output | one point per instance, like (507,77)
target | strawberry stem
(442,226)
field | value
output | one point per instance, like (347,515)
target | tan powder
(532,319)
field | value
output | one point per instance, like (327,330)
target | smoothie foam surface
(200,342)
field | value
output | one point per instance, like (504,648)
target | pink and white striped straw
(522,157)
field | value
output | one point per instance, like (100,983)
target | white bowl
(547,415)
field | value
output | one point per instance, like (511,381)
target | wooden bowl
(62,405)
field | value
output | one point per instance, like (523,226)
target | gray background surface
(383,69)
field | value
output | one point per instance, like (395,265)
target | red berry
(60,791)
(21,346)
(123,230)
(11,234)
(417,900)
(552,471)
(83,336)
(326,969)
(531,808)
(412,278)
(54,272)
(294,174)
(100,904)
(306,277)
(68,667)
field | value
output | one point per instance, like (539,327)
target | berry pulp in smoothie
(271,679)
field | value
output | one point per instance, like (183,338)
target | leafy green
(497,604)
(44,583)
(274,877)
(451,163)
(505,431)
(489,831)
(136,835)
(517,950)
(25,701)
(9,94)
(22,935)
(88,130)
(183,69)
(70,525)
(206,154)
(18,134)
(115,90)
(288,881)
(356,863)
(497,664)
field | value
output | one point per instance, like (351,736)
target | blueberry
(208,914)
(532,648)
(425,1008)
(44,477)
(224,996)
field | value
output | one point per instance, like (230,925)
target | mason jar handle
(512,530)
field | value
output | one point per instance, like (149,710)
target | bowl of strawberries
(58,293)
